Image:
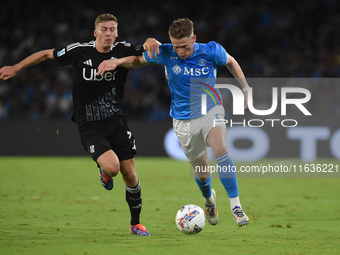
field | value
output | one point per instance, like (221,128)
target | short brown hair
(104,17)
(181,28)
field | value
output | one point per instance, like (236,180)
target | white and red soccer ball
(190,219)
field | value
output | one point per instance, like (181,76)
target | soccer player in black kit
(102,125)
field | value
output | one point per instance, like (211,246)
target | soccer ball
(190,219)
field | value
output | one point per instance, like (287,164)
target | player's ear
(194,38)
(95,33)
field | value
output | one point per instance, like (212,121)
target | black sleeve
(128,49)
(66,55)
(138,50)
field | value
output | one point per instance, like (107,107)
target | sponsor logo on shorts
(92,150)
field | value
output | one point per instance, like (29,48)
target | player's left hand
(152,46)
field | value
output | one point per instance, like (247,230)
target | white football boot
(211,211)
(240,217)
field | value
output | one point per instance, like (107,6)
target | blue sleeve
(160,56)
(221,56)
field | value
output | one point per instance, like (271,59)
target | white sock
(210,200)
(235,201)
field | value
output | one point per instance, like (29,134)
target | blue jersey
(189,78)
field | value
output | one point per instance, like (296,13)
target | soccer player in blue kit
(185,61)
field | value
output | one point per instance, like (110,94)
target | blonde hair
(181,28)
(103,18)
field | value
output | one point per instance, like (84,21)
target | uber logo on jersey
(91,75)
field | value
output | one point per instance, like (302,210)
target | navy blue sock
(205,186)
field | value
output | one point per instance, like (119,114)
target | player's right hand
(7,72)
(107,65)
(151,45)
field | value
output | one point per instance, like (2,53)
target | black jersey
(95,98)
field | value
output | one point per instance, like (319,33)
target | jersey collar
(94,45)
(196,48)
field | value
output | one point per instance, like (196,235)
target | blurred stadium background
(269,39)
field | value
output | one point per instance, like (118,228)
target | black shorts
(113,134)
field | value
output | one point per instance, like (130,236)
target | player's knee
(112,169)
(202,176)
(219,150)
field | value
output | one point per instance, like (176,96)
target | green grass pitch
(56,205)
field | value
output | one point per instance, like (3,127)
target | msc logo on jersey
(196,71)
(176,69)
(190,71)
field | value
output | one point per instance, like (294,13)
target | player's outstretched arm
(127,62)
(8,72)
(237,72)
(152,46)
